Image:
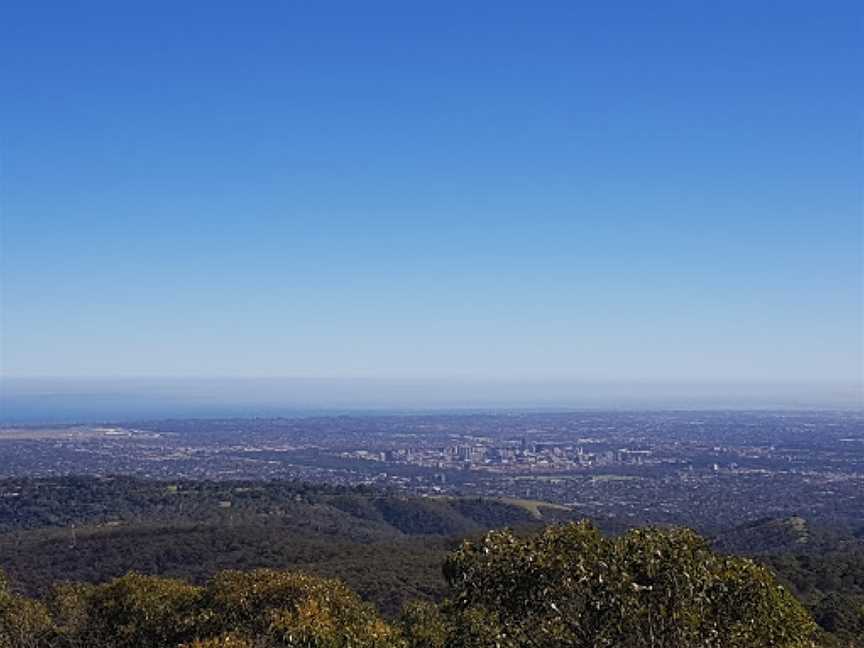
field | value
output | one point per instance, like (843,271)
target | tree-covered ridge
(386,547)
(787,535)
(567,587)
(823,567)
(364,512)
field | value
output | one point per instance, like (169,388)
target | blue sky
(548,191)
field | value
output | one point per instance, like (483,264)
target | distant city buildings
(690,468)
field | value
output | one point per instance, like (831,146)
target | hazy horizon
(43,400)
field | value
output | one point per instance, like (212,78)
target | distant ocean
(54,401)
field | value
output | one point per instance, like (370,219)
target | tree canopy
(565,587)
(571,587)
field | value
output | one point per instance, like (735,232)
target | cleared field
(532,506)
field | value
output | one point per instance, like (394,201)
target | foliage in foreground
(568,587)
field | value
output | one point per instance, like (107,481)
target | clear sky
(630,191)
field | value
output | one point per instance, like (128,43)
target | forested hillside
(566,586)
(387,548)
